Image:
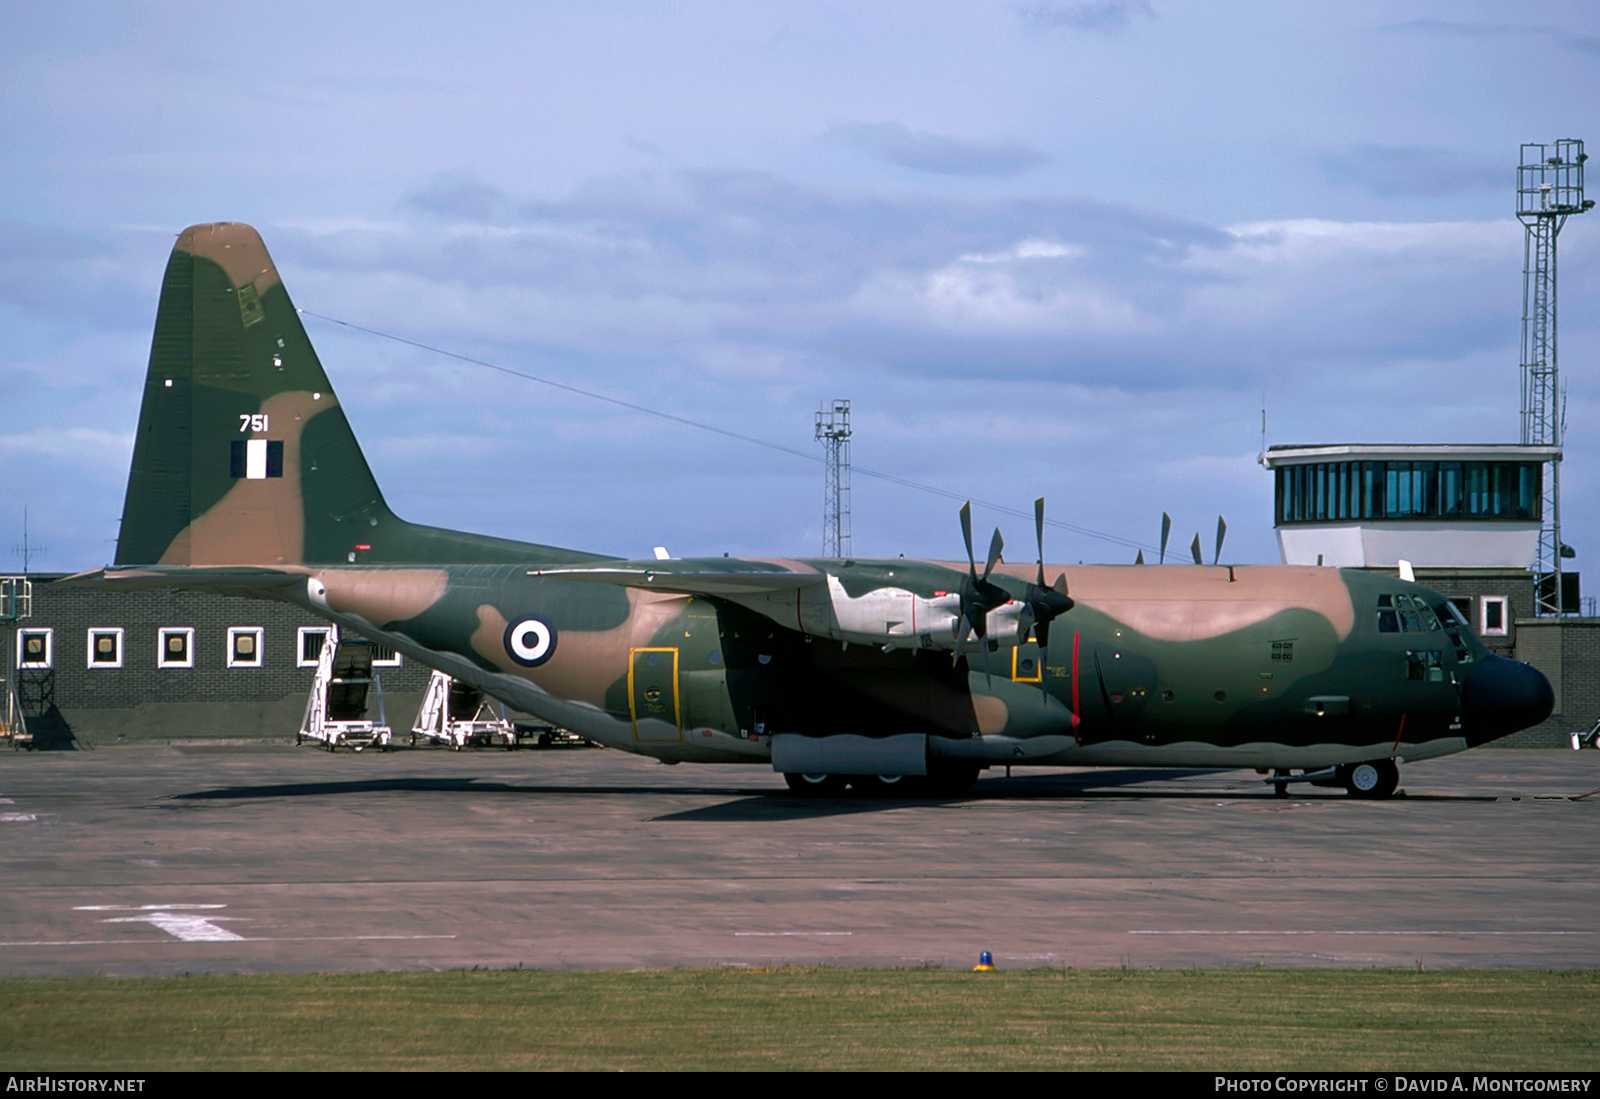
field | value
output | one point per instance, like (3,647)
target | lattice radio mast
(1549,190)
(833,432)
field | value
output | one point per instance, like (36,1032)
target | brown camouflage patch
(992,714)
(237,249)
(586,664)
(383,595)
(1195,603)
(257,522)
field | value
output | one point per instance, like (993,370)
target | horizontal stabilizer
(246,582)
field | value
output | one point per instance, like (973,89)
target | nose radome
(1501,696)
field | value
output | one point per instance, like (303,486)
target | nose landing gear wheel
(1376,778)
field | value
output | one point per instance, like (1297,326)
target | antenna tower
(1549,190)
(833,432)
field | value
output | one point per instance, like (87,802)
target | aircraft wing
(714,577)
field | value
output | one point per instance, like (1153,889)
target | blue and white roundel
(530,641)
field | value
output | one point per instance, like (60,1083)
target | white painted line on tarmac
(780,934)
(236,938)
(183,925)
(18,818)
(189,928)
(1347,932)
(139,907)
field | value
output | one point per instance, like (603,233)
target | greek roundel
(530,641)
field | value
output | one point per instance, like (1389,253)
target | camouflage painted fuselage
(1273,667)
(247,479)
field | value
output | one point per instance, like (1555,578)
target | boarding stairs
(16,603)
(459,715)
(336,709)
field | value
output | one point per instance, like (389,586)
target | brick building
(94,667)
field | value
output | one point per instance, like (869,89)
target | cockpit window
(1399,612)
(1454,623)
(1424,665)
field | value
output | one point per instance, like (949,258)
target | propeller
(978,595)
(1222,532)
(1042,604)
(1194,549)
(1166,529)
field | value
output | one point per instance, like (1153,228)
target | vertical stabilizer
(243,455)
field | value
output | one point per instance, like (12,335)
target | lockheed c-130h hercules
(878,674)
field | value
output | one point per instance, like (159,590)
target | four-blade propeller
(1042,604)
(979,595)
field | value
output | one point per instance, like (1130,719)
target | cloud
(102,451)
(461,198)
(74,276)
(1455,28)
(1390,171)
(746,277)
(1106,15)
(925,152)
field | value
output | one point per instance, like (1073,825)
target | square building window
(176,647)
(308,645)
(105,648)
(244,646)
(1494,617)
(35,648)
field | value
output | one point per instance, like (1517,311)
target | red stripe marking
(1397,733)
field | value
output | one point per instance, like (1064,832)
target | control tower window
(1494,617)
(1323,492)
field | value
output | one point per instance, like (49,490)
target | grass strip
(1214,1020)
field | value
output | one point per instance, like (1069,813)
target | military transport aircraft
(247,480)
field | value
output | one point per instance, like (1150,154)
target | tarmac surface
(260,858)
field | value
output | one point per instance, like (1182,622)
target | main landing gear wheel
(815,785)
(1377,778)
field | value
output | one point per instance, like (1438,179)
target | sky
(1058,249)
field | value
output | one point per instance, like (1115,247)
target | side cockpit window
(1425,665)
(1455,627)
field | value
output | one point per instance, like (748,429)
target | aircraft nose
(1501,696)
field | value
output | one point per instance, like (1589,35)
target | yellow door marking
(653,693)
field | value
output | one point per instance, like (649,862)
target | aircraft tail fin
(243,455)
